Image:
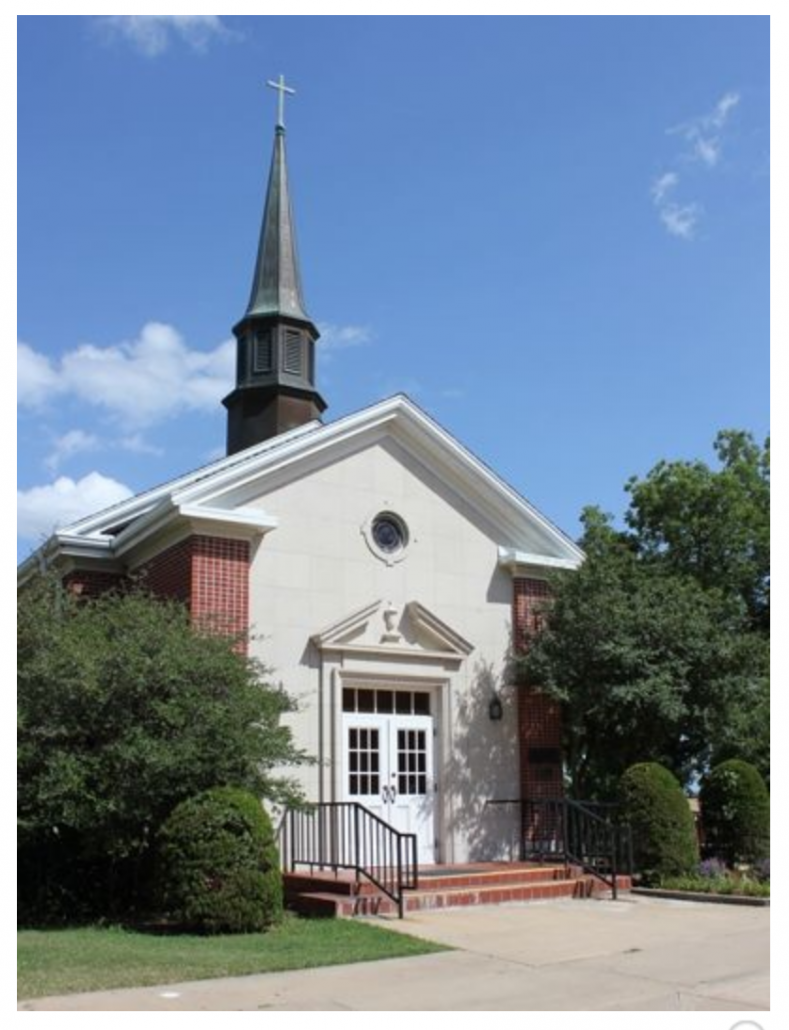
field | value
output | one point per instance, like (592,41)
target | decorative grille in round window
(389,533)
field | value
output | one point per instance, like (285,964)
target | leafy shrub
(735,809)
(219,867)
(664,834)
(726,885)
(125,708)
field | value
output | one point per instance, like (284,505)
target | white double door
(388,768)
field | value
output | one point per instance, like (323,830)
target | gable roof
(218,493)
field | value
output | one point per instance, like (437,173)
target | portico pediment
(385,629)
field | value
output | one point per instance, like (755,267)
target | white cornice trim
(513,559)
(424,619)
(354,621)
(388,652)
(244,523)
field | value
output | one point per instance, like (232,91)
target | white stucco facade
(317,569)
(358,634)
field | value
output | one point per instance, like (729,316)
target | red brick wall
(220,583)
(169,574)
(539,717)
(209,574)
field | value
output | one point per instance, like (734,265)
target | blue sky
(551,232)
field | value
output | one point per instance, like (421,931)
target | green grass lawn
(93,959)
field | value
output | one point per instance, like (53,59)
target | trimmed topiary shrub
(735,811)
(664,834)
(218,864)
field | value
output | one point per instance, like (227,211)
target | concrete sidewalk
(634,954)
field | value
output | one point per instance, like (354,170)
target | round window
(389,533)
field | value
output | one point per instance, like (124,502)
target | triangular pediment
(381,627)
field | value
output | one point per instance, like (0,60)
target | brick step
(434,879)
(327,895)
(326,903)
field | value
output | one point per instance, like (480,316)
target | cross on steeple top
(282,89)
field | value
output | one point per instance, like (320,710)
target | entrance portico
(387,678)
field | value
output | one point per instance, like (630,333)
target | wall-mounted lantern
(495,709)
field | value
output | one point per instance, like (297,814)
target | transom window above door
(385,702)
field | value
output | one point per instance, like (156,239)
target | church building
(386,574)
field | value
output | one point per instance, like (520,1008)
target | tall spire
(276,286)
(275,372)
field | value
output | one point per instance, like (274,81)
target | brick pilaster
(211,576)
(220,584)
(539,716)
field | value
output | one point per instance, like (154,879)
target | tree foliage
(124,710)
(659,644)
(711,524)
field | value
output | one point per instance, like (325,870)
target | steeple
(275,368)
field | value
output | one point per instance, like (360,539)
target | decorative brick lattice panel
(220,584)
(539,717)
(211,576)
(169,574)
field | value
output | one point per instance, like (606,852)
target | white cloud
(137,444)
(43,508)
(708,150)
(341,337)
(36,380)
(152,34)
(680,219)
(663,185)
(75,441)
(139,382)
(704,133)
(722,108)
(704,136)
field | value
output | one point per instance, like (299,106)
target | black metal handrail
(346,835)
(583,833)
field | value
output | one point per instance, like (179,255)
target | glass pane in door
(412,762)
(364,762)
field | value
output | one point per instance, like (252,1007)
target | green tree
(646,662)
(124,710)
(659,644)
(711,523)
